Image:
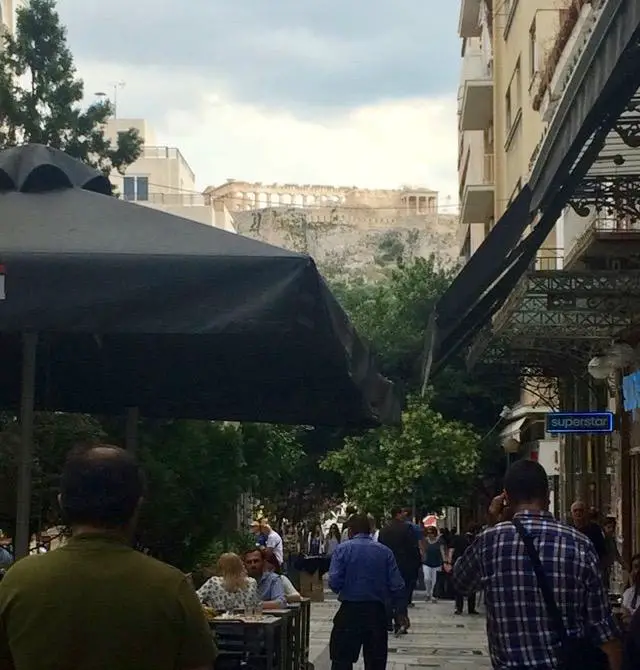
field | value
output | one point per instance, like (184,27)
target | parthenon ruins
(244,196)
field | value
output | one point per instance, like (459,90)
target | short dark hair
(526,481)
(395,511)
(101,486)
(360,524)
(351,510)
(270,557)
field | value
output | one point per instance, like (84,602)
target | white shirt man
(274,541)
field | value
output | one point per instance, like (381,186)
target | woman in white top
(231,589)
(631,597)
(272,565)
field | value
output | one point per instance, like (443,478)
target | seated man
(270,588)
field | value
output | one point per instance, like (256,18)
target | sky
(342,92)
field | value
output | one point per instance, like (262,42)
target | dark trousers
(460,602)
(359,626)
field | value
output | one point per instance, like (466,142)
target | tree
(428,457)
(55,435)
(40,95)
(393,312)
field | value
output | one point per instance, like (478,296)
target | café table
(290,616)
(258,641)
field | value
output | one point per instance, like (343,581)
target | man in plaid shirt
(518,628)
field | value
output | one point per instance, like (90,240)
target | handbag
(575,653)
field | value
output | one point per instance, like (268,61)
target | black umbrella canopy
(138,308)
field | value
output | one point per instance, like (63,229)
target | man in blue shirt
(365,576)
(270,587)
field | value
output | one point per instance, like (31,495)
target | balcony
(469,22)
(607,243)
(475,97)
(478,198)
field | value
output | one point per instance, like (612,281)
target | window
(508,10)
(533,50)
(136,188)
(508,119)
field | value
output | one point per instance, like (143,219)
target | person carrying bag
(575,653)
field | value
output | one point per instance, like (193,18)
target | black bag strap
(543,583)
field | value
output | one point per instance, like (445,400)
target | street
(437,639)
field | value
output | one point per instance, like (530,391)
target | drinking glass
(258,610)
(249,610)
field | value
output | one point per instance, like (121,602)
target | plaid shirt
(518,627)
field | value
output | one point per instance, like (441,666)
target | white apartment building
(161,178)
(8,15)
(500,127)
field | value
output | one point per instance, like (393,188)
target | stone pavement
(438,639)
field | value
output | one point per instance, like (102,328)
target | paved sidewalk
(438,639)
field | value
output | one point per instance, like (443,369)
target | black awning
(609,57)
(444,342)
(479,272)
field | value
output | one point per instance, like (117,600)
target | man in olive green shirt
(96,603)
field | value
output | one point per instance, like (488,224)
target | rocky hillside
(341,243)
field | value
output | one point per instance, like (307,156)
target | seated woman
(231,588)
(271,564)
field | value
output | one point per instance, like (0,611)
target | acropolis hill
(343,227)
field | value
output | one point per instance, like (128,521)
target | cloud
(316,57)
(348,93)
(382,145)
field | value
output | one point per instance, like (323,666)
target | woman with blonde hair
(231,588)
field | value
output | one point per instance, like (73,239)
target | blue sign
(580,422)
(631,391)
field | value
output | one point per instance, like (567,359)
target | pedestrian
(418,530)
(631,595)
(365,576)
(401,538)
(434,557)
(315,541)
(272,540)
(459,544)
(576,630)
(583,521)
(97,602)
(333,539)
(351,511)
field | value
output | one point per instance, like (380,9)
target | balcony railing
(607,224)
(164,153)
(548,259)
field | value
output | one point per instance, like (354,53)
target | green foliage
(393,313)
(55,435)
(40,95)
(428,455)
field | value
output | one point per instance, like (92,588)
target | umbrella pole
(25,454)
(131,429)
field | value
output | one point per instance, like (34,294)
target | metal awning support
(608,58)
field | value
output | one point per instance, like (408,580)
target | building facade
(8,9)
(162,178)
(504,50)
(564,308)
